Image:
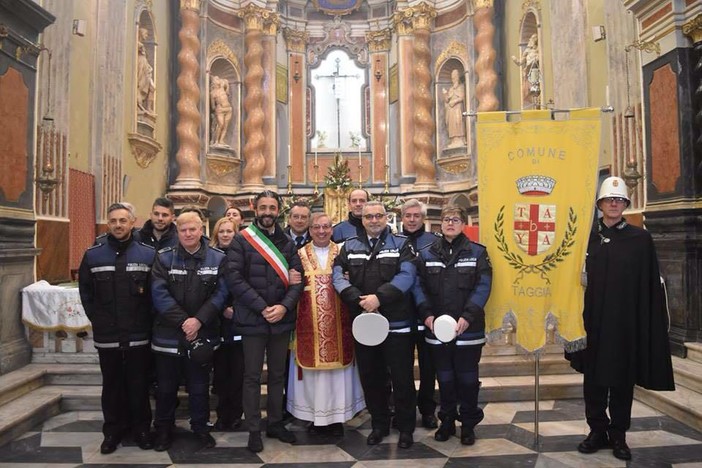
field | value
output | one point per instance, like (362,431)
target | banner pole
(536,401)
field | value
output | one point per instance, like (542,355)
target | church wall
(511,82)
(142,185)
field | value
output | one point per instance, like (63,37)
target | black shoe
(337,430)
(279,432)
(376,436)
(223,426)
(313,429)
(593,442)
(467,436)
(236,424)
(206,439)
(144,440)
(620,450)
(406,440)
(429,421)
(163,441)
(110,443)
(446,430)
(255,443)
(393,422)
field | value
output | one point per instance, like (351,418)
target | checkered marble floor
(504,439)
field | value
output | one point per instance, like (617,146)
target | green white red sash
(268,251)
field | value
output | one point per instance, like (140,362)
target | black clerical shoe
(279,432)
(163,440)
(620,450)
(593,442)
(206,439)
(467,436)
(405,440)
(144,440)
(376,436)
(255,443)
(429,421)
(223,426)
(110,443)
(446,430)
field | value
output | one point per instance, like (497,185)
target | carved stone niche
(144,149)
(451,100)
(223,102)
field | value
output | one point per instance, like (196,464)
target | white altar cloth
(52,308)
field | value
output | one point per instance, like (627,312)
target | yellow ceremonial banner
(537,182)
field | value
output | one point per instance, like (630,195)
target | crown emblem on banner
(535,185)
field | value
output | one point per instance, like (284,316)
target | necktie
(299,240)
(373,241)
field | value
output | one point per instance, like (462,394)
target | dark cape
(625,317)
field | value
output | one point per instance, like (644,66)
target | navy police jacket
(454,278)
(346,229)
(388,271)
(114,289)
(187,285)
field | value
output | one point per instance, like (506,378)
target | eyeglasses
(319,227)
(614,200)
(370,216)
(455,220)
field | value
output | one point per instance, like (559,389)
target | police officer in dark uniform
(114,289)
(455,278)
(353,226)
(413,215)
(189,295)
(373,273)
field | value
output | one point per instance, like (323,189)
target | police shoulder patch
(95,246)
(165,249)
(149,246)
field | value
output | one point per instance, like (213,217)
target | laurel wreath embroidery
(549,262)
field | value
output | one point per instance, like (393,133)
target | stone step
(20,382)
(694,351)
(683,404)
(27,411)
(688,373)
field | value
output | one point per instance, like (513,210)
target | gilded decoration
(271,25)
(416,17)
(144,149)
(257,18)
(337,7)
(379,41)
(693,29)
(394,86)
(454,49)
(454,165)
(222,169)
(281,83)
(219,49)
(484,4)
(530,4)
(190,5)
(645,46)
(296,40)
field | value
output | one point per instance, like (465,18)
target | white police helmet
(614,187)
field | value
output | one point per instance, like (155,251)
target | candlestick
(289,178)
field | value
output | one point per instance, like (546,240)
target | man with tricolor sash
(260,259)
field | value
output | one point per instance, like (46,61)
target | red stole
(323,329)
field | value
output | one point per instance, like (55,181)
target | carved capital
(144,149)
(190,5)
(296,40)
(258,18)
(379,41)
(415,17)
(693,29)
(485,4)
(219,49)
(529,4)
(271,24)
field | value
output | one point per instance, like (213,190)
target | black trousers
(395,354)
(125,389)
(618,399)
(458,375)
(228,381)
(274,348)
(427,377)
(169,370)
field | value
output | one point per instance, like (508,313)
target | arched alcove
(530,60)
(223,80)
